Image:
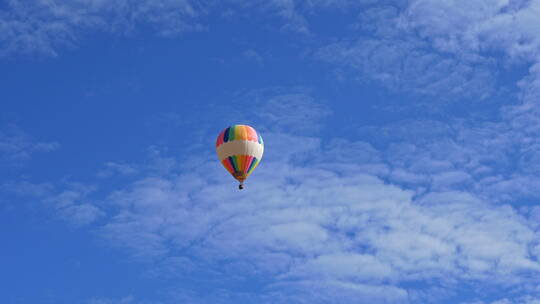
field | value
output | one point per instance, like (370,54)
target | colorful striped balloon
(240,150)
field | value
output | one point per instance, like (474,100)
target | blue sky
(401,164)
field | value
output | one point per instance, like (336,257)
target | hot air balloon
(240,150)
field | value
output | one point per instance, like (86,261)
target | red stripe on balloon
(227,164)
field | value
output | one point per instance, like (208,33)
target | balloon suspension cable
(241,186)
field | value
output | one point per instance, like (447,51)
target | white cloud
(481,31)
(25,188)
(125,300)
(285,110)
(493,160)
(16,145)
(306,226)
(45,26)
(42,26)
(113,168)
(74,205)
(336,292)
(71,203)
(528,299)
(253,55)
(81,214)
(344,266)
(402,62)
(315,223)
(447,50)
(478,26)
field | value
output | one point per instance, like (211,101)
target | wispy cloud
(316,223)
(253,55)
(69,201)
(415,211)
(452,52)
(25,188)
(74,206)
(405,66)
(125,300)
(16,145)
(382,50)
(45,26)
(42,27)
(297,225)
(482,31)
(283,110)
(113,168)
(478,26)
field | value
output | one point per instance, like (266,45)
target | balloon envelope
(240,149)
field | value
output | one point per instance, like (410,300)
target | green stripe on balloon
(231,161)
(235,163)
(232,133)
(253,164)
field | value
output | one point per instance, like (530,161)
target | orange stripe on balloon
(239,162)
(251,134)
(246,163)
(245,133)
(242,164)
